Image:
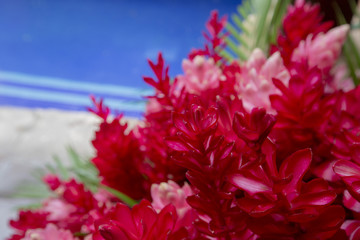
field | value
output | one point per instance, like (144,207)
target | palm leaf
(255,25)
(350,51)
(80,168)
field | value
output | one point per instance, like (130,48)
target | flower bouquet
(259,138)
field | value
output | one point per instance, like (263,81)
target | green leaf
(36,191)
(124,198)
(32,206)
(277,19)
(351,53)
(235,49)
(263,13)
(244,38)
(239,24)
(237,36)
(64,174)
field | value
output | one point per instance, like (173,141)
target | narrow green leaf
(347,54)
(353,6)
(239,24)
(351,53)
(236,35)
(235,49)
(354,51)
(225,54)
(50,168)
(262,15)
(124,198)
(278,15)
(75,157)
(246,4)
(62,170)
(339,15)
(242,11)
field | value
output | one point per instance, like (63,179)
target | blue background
(100,41)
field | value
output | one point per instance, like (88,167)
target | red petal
(314,199)
(249,183)
(296,166)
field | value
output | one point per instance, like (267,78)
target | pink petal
(249,184)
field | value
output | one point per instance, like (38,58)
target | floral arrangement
(264,145)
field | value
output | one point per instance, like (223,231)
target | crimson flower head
(28,220)
(350,174)
(116,158)
(253,127)
(215,39)
(280,204)
(301,20)
(140,223)
(99,108)
(52,181)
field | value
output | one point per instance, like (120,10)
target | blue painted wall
(100,41)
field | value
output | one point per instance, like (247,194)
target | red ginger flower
(302,19)
(28,220)
(253,128)
(140,223)
(117,158)
(74,209)
(156,164)
(302,110)
(352,229)
(208,157)
(350,175)
(345,128)
(215,39)
(280,205)
(99,108)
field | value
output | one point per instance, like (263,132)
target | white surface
(28,140)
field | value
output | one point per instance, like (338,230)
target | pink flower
(50,232)
(28,220)
(255,82)
(200,74)
(301,20)
(323,50)
(58,209)
(170,192)
(340,80)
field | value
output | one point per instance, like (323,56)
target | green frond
(124,198)
(82,169)
(32,191)
(255,25)
(350,51)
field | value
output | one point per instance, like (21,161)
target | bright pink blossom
(255,85)
(50,232)
(200,75)
(323,50)
(165,193)
(58,209)
(301,20)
